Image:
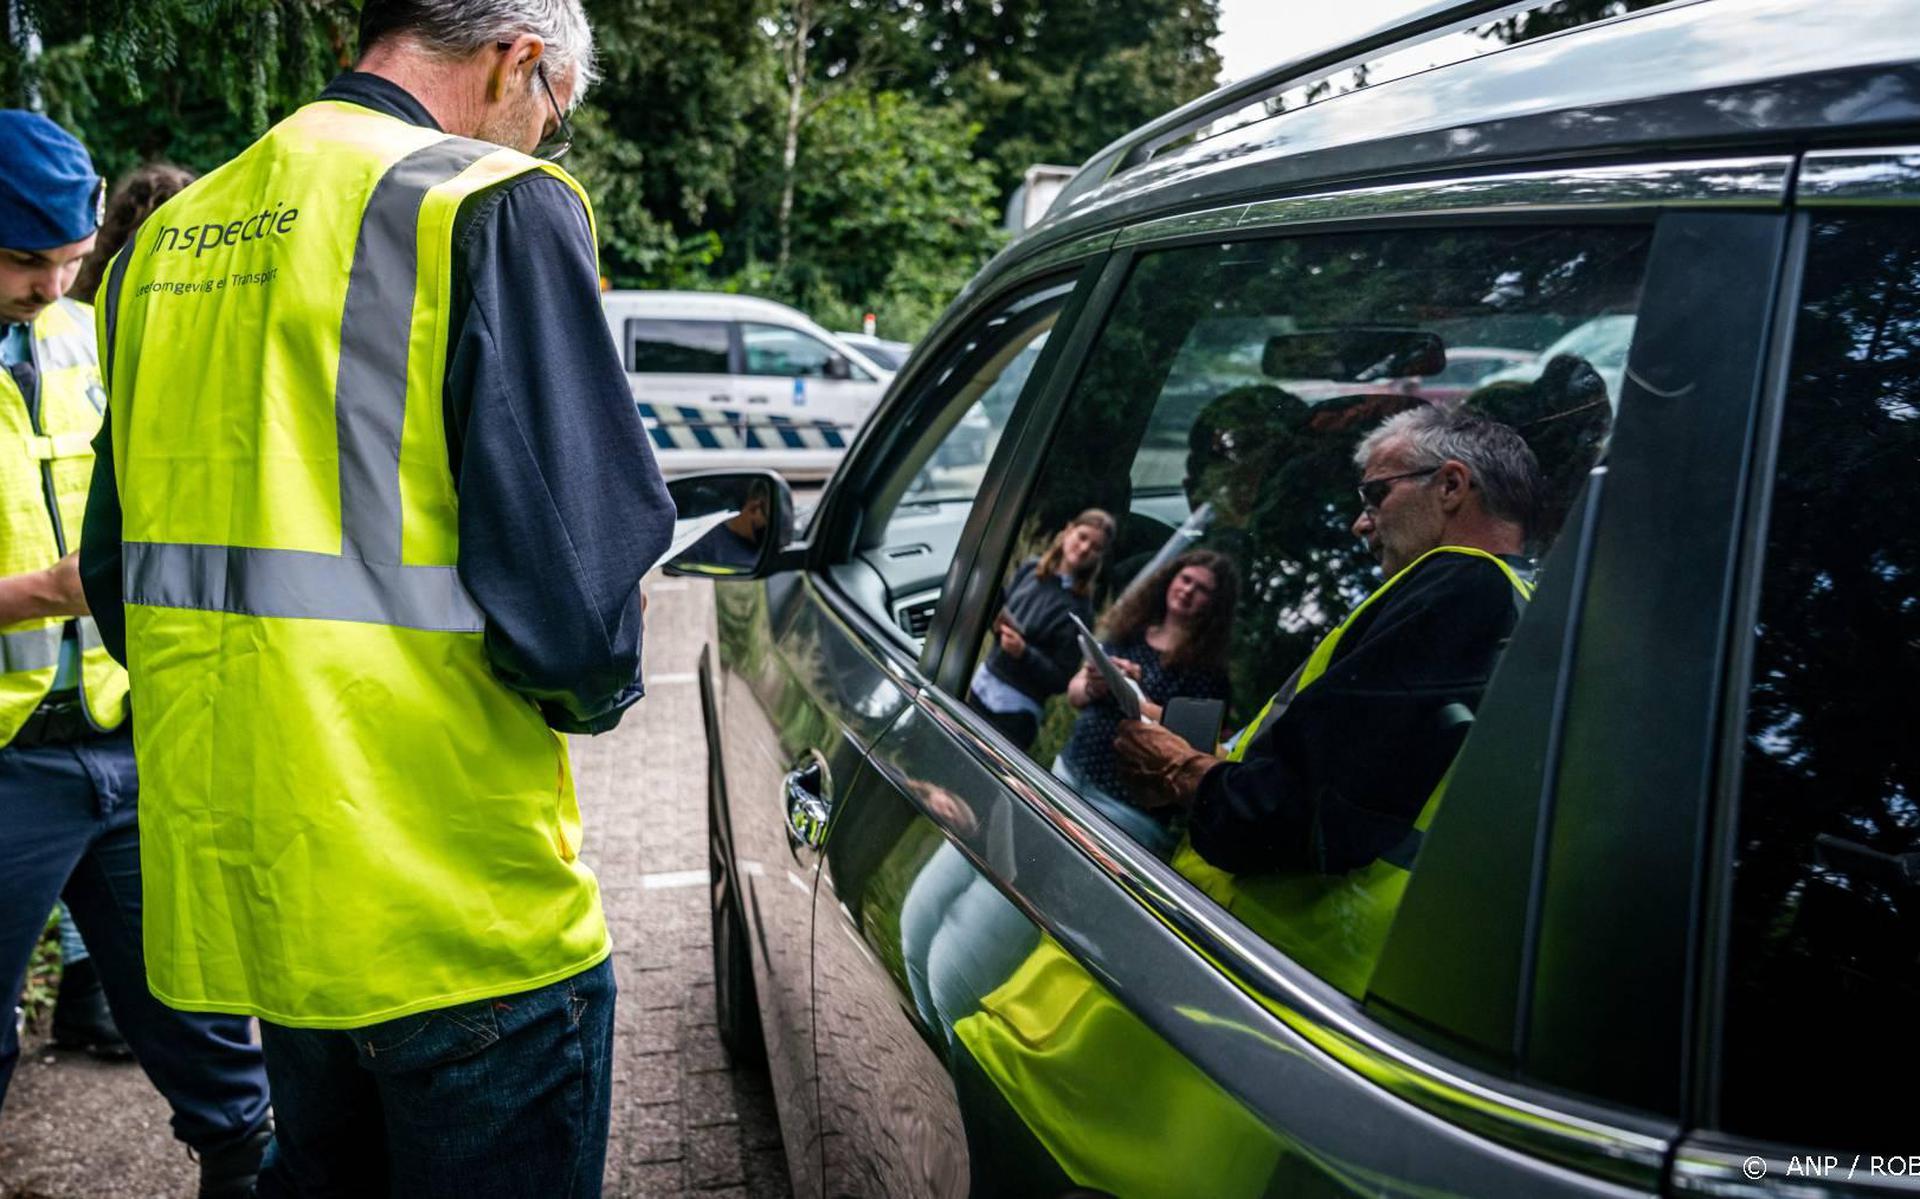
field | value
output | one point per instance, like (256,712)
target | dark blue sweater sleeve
(562,507)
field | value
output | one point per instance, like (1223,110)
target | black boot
(80,1016)
(228,1172)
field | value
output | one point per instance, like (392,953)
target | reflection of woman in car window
(1035,651)
(1170,632)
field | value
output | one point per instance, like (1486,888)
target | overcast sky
(1255,34)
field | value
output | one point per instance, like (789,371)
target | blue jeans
(503,1097)
(71,830)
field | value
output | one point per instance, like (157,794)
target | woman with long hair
(132,201)
(1036,650)
(1170,633)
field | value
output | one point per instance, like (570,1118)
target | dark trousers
(69,829)
(503,1098)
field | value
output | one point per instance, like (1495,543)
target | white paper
(1126,693)
(686,532)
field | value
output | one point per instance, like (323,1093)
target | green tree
(677,121)
(892,212)
(1048,80)
(193,81)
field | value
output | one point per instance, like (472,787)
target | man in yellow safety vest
(369,529)
(1306,827)
(69,795)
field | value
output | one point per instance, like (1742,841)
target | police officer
(376,515)
(67,784)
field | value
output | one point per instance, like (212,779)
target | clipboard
(1125,692)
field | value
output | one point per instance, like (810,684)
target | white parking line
(667,679)
(673,878)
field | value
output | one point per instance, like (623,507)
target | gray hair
(1502,463)
(456,28)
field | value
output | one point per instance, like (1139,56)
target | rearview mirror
(1354,355)
(839,368)
(730,524)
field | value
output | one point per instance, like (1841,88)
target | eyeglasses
(556,144)
(1374,492)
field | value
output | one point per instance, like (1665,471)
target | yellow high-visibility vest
(1334,924)
(345,817)
(46,462)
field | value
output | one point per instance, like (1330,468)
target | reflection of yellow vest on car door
(46,463)
(345,816)
(1059,1045)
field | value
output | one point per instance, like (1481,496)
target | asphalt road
(683,1122)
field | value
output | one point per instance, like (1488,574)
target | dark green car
(1663,934)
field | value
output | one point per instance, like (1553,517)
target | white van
(727,381)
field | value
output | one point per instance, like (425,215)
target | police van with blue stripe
(726,381)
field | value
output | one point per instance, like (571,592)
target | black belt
(59,720)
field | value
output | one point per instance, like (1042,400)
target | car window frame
(1596,1137)
(834,531)
(1710,1160)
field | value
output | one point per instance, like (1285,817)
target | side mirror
(839,368)
(731,524)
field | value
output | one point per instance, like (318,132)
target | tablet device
(1197,721)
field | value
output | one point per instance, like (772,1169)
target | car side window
(776,350)
(1823,957)
(915,511)
(1197,512)
(670,347)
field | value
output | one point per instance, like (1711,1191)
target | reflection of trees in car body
(1302,566)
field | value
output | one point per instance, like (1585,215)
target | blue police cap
(49,195)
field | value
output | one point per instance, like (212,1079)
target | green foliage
(915,119)
(891,214)
(189,81)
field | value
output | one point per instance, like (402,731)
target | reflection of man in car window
(733,545)
(1318,805)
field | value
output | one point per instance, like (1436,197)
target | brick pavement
(683,1122)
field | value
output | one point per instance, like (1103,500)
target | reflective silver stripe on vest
(370,391)
(365,583)
(33,649)
(299,585)
(90,635)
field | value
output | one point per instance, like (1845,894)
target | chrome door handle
(807,806)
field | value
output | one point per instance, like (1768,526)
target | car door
(799,698)
(1104,1024)
(889,1110)
(1809,949)
(814,663)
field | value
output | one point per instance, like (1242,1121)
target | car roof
(1700,78)
(703,304)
